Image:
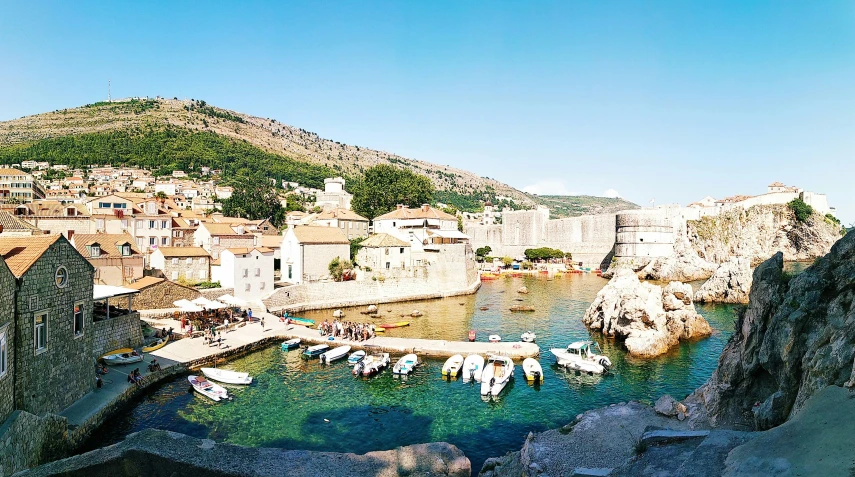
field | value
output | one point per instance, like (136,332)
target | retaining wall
(27,440)
(120,332)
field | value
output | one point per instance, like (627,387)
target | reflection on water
(298,404)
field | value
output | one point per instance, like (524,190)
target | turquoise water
(298,404)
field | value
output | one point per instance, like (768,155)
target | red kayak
(471,335)
(394,325)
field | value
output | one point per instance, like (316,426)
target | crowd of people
(347,330)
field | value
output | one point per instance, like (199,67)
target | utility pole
(109,93)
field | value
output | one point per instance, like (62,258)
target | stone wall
(7,333)
(27,440)
(119,332)
(214,293)
(162,295)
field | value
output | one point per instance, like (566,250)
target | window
(61,277)
(402,249)
(103,205)
(203,274)
(261,287)
(189,260)
(386,250)
(124,223)
(40,332)
(247,287)
(164,224)
(140,224)
(387,265)
(257,272)
(202,260)
(175,275)
(152,241)
(126,250)
(95,250)
(99,224)
(175,261)
(216,240)
(78,319)
(117,205)
(245,272)
(4,353)
(152,224)
(164,240)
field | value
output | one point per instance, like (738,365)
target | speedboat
(291,344)
(335,354)
(580,356)
(356,357)
(315,351)
(226,376)
(497,373)
(123,358)
(532,370)
(473,366)
(406,365)
(452,366)
(528,337)
(494,338)
(208,389)
(371,365)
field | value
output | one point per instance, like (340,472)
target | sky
(653,100)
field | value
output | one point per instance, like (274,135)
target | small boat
(394,325)
(226,376)
(335,354)
(291,344)
(579,356)
(494,338)
(406,364)
(472,335)
(532,370)
(379,330)
(123,358)
(372,364)
(317,350)
(160,343)
(356,357)
(452,366)
(118,351)
(528,337)
(473,366)
(207,388)
(301,321)
(497,373)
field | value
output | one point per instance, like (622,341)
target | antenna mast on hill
(109,93)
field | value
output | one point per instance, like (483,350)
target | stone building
(333,196)
(307,251)
(384,252)
(54,315)
(54,217)
(16,185)
(116,258)
(11,226)
(248,270)
(159,293)
(7,340)
(192,264)
(217,237)
(352,224)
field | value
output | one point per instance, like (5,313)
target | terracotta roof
(183,252)
(230,220)
(21,253)
(219,229)
(109,244)
(776,184)
(245,250)
(271,241)
(341,214)
(424,212)
(145,282)
(317,235)
(12,223)
(383,240)
(11,172)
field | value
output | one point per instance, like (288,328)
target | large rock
(730,283)
(796,337)
(684,265)
(647,317)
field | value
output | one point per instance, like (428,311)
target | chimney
(400,206)
(425,207)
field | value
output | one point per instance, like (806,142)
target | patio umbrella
(231,300)
(201,301)
(191,307)
(182,303)
(215,305)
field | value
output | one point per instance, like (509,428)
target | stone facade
(27,440)
(117,332)
(7,340)
(162,294)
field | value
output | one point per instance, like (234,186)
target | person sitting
(102,369)
(154,365)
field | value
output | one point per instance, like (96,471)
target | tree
(355,247)
(543,253)
(483,251)
(340,268)
(161,196)
(293,202)
(507,261)
(254,199)
(384,187)
(802,210)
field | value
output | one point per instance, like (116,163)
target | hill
(576,205)
(169,134)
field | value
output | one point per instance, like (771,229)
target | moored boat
(472,335)
(159,343)
(494,338)
(207,388)
(226,376)
(497,373)
(473,366)
(452,366)
(406,364)
(394,325)
(528,337)
(315,351)
(372,364)
(291,344)
(123,358)
(532,370)
(335,354)
(356,357)
(580,356)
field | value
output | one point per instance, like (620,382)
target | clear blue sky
(666,100)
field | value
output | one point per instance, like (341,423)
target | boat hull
(208,389)
(532,370)
(157,346)
(115,359)
(226,376)
(405,365)
(334,354)
(473,367)
(291,344)
(452,366)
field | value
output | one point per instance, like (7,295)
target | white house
(384,251)
(420,227)
(248,270)
(307,252)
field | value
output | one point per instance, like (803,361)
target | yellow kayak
(379,330)
(119,351)
(157,345)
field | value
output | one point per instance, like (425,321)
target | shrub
(801,209)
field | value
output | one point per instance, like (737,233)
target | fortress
(642,234)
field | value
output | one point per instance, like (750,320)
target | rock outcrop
(796,337)
(647,317)
(730,283)
(761,231)
(154,452)
(683,266)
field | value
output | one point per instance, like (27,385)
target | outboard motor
(605,363)
(492,382)
(537,376)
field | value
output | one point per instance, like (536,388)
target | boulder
(668,406)
(338,314)
(730,283)
(647,317)
(523,290)
(372,309)
(416,314)
(683,265)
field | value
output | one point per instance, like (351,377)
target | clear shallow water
(290,399)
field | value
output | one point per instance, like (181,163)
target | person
(98,381)
(249,314)
(261,320)
(102,369)
(154,365)
(169,333)
(226,323)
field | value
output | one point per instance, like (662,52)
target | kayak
(394,325)
(160,343)
(301,321)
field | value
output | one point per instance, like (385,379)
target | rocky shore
(730,283)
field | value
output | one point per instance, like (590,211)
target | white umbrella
(215,305)
(182,303)
(190,307)
(231,300)
(201,301)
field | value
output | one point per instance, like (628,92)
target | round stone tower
(642,235)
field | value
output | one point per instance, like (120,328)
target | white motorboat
(580,356)
(494,338)
(208,389)
(314,351)
(528,337)
(291,344)
(497,373)
(335,354)
(226,376)
(473,366)
(123,358)
(372,364)
(532,370)
(406,364)
(452,366)
(356,357)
